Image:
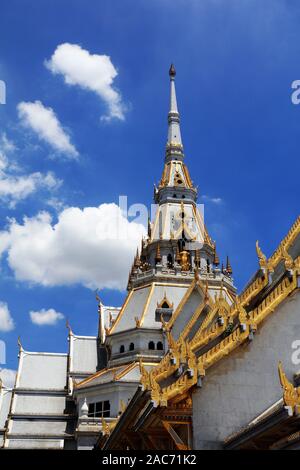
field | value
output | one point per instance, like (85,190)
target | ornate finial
(291,394)
(262,259)
(228,266)
(69,327)
(145,379)
(163,323)
(105,427)
(20,344)
(97,296)
(196,274)
(137,261)
(216,260)
(157,255)
(171,341)
(288,260)
(172,71)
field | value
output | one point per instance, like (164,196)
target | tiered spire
(175,174)
(177,242)
(174,143)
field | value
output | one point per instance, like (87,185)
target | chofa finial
(172,71)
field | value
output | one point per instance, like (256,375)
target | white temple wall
(246,383)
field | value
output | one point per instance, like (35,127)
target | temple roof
(83,354)
(41,371)
(141,303)
(225,326)
(38,418)
(5,396)
(125,373)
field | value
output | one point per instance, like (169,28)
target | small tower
(228,266)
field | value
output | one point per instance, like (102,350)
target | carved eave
(282,251)
(232,326)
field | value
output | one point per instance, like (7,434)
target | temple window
(151,345)
(122,348)
(159,346)
(131,347)
(164,309)
(100,409)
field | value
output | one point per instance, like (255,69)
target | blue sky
(235,61)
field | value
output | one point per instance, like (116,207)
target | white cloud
(93,246)
(93,72)
(44,122)
(6,146)
(6,321)
(214,200)
(56,204)
(8,377)
(45,317)
(14,186)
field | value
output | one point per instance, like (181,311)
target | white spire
(173,100)
(174,144)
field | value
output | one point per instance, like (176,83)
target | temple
(186,362)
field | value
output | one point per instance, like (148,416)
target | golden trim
(182,303)
(125,371)
(184,351)
(187,175)
(253,290)
(121,312)
(96,375)
(221,306)
(269,304)
(193,318)
(155,225)
(147,304)
(179,444)
(286,242)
